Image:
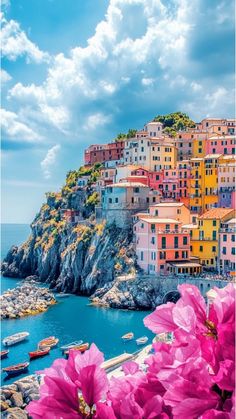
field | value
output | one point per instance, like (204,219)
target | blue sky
(78,72)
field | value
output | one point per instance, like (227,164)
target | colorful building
(221,144)
(159,242)
(184,172)
(99,153)
(173,210)
(205,239)
(226,180)
(120,201)
(227,247)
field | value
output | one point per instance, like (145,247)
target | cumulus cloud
(5,77)
(49,160)
(15,43)
(145,57)
(13,128)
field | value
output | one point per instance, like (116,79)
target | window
(110,200)
(157,177)
(168,227)
(163,242)
(153,240)
(116,200)
(213,248)
(141,255)
(178,211)
(224,237)
(233,238)
(153,255)
(153,227)
(191,248)
(176,255)
(162,266)
(200,248)
(176,242)
(214,235)
(142,225)
(233,251)
(212,261)
(185,240)
(224,250)
(156,212)
(162,255)
(214,223)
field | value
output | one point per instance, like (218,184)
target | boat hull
(4,354)
(14,339)
(16,369)
(38,354)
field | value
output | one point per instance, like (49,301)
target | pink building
(227,246)
(184,172)
(172,210)
(159,242)
(154,179)
(170,184)
(222,144)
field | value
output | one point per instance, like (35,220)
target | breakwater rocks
(15,397)
(25,300)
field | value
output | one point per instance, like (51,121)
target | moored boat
(4,353)
(71,345)
(48,342)
(16,369)
(128,336)
(16,338)
(39,352)
(142,340)
(80,348)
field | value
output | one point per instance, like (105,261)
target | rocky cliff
(76,257)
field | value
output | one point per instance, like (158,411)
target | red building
(153,179)
(99,153)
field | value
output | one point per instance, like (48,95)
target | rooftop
(212,156)
(168,204)
(232,221)
(127,185)
(217,213)
(190,226)
(157,220)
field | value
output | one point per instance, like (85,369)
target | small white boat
(128,336)
(71,345)
(142,340)
(62,295)
(16,338)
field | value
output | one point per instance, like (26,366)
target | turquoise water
(71,319)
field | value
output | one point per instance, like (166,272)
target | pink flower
(130,367)
(72,387)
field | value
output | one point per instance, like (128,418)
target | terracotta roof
(217,213)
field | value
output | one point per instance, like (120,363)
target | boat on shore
(71,345)
(80,348)
(4,353)
(142,340)
(50,342)
(127,336)
(16,338)
(39,352)
(16,369)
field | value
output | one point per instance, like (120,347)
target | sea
(72,318)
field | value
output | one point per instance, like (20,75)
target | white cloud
(5,77)
(13,128)
(139,43)
(49,161)
(146,81)
(16,44)
(95,121)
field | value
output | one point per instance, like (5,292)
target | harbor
(71,319)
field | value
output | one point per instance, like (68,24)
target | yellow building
(196,184)
(210,181)
(204,183)
(204,242)
(199,147)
